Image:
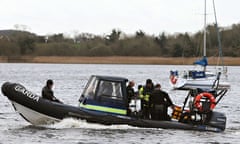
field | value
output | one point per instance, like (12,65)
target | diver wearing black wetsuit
(160,101)
(47,92)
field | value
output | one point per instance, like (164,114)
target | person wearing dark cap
(47,92)
(160,101)
(144,94)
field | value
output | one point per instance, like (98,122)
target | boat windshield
(103,89)
(91,88)
(110,89)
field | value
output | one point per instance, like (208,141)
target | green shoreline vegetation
(117,47)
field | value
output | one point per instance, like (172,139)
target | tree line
(117,43)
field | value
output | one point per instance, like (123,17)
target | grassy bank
(235,61)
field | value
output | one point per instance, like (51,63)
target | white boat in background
(200,77)
(192,79)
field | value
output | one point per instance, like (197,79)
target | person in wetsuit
(160,101)
(47,92)
(144,94)
(130,91)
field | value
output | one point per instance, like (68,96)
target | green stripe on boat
(104,109)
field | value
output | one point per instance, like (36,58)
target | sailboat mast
(218,35)
(205,31)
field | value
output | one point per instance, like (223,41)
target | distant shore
(231,61)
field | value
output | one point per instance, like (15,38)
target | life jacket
(144,94)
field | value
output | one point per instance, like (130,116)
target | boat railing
(216,82)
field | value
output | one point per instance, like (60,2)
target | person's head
(49,83)
(158,86)
(139,87)
(131,83)
(149,83)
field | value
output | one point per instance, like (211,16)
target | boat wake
(75,123)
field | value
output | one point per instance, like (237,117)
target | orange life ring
(207,95)
(173,79)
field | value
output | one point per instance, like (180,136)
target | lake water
(70,80)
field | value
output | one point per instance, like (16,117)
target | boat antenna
(218,35)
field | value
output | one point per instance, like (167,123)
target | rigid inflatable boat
(104,101)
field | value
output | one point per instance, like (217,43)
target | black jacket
(159,102)
(130,93)
(47,93)
(159,97)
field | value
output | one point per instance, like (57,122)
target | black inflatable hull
(40,111)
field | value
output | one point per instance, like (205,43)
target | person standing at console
(47,92)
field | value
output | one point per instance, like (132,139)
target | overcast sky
(101,16)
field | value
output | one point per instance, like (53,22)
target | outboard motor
(218,120)
(203,105)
